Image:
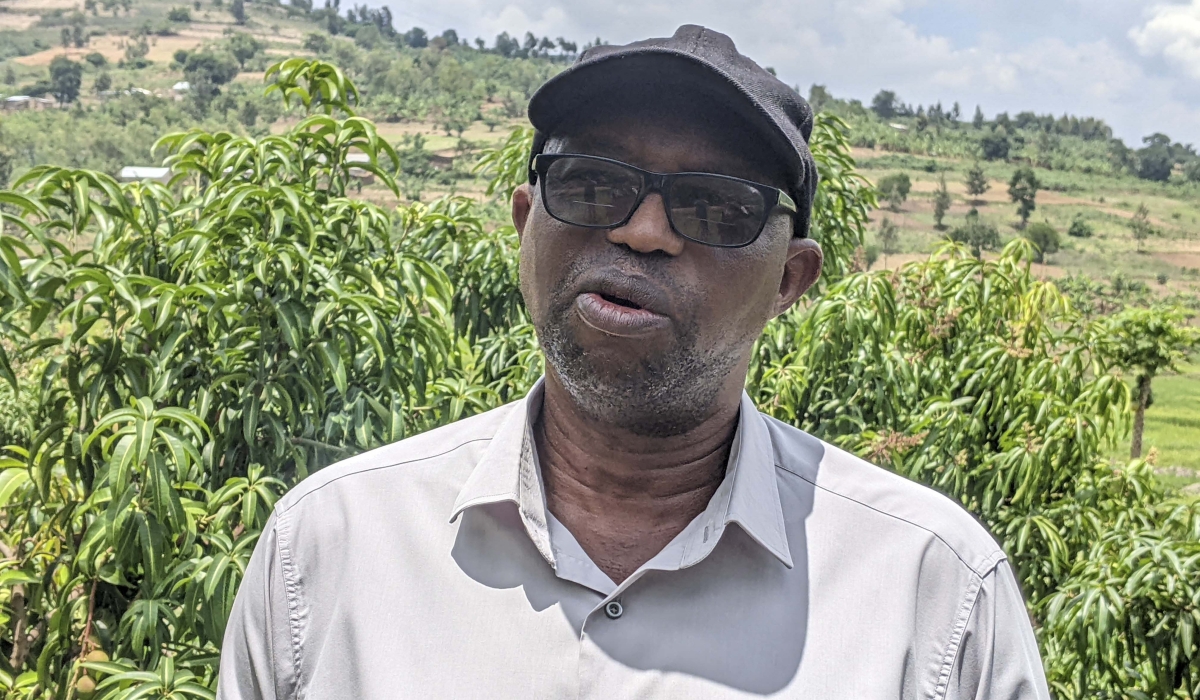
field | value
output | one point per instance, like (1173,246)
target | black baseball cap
(695,58)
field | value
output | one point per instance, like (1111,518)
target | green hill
(116,67)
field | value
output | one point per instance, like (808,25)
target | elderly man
(634,527)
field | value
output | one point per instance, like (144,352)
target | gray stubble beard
(663,396)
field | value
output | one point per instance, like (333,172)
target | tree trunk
(20,648)
(1139,415)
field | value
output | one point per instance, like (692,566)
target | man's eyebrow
(596,145)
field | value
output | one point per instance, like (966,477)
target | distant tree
(894,188)
(889,238)
(179,14)
(10,76)
(6,166)
(248,114)
(316,42)
(995,144)
(136,51)
(416,38)
(884,104)
(870,255)
(79,35)
(1022,189)
(1156,160)
(818,97)
(65,37)
(103,82)
(955,112)
(1045,237)
(96,59)
(977,182)
(244,47)
(1146,342)
(1191,170)
(66,76)
(180,57)
(480,44)
(450,37)
(976,235)
(1140,226)
(1079,228)
(506,45)
(941,202)
(206,71)
(238,10)
(977,121)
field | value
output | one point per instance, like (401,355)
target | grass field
(1170,263)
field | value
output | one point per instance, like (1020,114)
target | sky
(1134,64)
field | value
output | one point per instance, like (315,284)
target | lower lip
(614,319)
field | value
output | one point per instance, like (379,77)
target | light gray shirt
(431,568)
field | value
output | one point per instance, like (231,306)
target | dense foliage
(179,355)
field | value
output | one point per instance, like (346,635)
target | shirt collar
(748,496)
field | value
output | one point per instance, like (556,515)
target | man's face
(643,328)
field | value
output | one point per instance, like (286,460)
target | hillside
(441,99)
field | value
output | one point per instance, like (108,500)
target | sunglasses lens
(716,210)
(587,192)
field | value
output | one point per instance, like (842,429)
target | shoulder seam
(301,497)
(970,600)
(292,592)
(990,560)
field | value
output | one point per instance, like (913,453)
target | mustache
(625,263)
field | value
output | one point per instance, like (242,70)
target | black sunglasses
(715,210)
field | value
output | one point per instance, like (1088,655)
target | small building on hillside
(19,102)
(366,177)
(137,173)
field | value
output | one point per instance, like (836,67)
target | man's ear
(522,204)
(800,271)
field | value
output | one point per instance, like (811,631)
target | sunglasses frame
(661,182)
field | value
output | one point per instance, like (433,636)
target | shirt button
(613,609)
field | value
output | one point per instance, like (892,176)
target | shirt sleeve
(998,658)
(256,654)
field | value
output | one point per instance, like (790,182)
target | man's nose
(648,230)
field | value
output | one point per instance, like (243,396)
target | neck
(626,496)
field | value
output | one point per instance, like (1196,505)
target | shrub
(894,188)
(995,145)
(1044,238)
(316,42)
(977,235)
(1080,228)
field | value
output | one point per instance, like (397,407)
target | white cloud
(857,47)
(1172,31)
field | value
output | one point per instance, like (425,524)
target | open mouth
(619,301)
